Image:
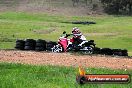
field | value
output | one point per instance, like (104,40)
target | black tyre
(103,51)
(124,53)
(19,47)
(30,43)
(20,41)
(54,43)
(96,50)
(41,43)
(29,48)
(39,49)
(30,40)
(20,44)
(50,45)
(106,51)
(109,51)
(117,52)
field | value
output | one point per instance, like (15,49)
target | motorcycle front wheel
(57,49)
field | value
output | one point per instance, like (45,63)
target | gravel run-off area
(65,59)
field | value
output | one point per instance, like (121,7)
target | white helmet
(75,30)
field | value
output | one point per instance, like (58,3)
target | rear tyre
(88,52)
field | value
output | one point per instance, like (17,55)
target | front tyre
(57,49)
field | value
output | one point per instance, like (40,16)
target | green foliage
(118,6)
(30,76)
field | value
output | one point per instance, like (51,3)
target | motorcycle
(66,45)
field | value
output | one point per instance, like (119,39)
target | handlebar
(67,35)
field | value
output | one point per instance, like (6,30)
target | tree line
(112,6)
(117,6)
(75,2)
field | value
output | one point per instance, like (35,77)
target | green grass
(18,25)
(30,76)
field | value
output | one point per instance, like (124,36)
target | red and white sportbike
(65,45)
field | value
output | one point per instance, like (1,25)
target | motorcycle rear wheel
(88,52)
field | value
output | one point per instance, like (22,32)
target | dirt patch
(65,59)
(44,31)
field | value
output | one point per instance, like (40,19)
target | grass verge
(30,76)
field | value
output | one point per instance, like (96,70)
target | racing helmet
(76,30)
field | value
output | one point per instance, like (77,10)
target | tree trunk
(91,1)
(130,8)
(75,2)
(86,1)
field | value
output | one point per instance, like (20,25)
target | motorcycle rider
(78,37)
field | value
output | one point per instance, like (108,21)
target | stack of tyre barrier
(37,45)
(30,44)
(49,45)
(108,51)
(120,52)
(40,45)
(20,44)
